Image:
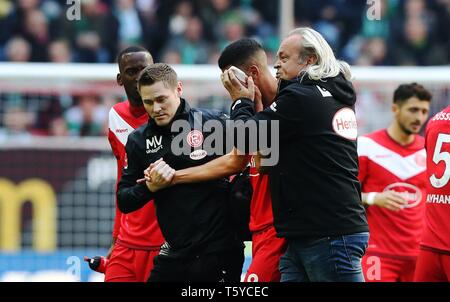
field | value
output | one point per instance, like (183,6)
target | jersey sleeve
(363,158)
(115,149)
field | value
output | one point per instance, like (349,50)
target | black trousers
(222,266)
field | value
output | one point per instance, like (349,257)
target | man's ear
(119,80)
(395,108)
(179,89)
(312,60)
(254,71)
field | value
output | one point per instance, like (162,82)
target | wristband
(370,200)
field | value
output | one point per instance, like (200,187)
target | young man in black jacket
(194,218)
(316,194)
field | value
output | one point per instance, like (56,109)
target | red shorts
(385,269)
(266,252)
(432,267)
(129,265)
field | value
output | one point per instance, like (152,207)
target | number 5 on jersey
(439,156)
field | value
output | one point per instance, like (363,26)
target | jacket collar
(284,83)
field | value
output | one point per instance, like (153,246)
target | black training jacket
(194,218)
(314,186)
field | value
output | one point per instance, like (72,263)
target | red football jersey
(261,204)
(437,222)
(140,229)
(386,165)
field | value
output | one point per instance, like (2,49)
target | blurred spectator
(18,50)
(147,7)
(59,52)
(16,123)
(88,117)
(374,53)
(328,27)
(172,57)
(14,22)
(233,30)
(416,9)
(178,23)
(49,108)
(442,11)
(95,36)
(37,33)
(58,127)
(191,46)
(131,23)
(417,47)
(214,14)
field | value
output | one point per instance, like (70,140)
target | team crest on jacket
(344,124)
(195,138)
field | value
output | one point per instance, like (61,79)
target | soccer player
(194,218)
(392,173)
(136,236)
(433,263)
(267,248)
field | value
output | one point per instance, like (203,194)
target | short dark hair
(158,72)
(131,49)
(238,52)
(406,91)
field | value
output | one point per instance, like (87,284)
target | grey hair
(327,66)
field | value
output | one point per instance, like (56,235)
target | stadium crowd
(410,32)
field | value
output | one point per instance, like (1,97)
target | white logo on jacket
(274,107)
(344,124)
(154,144)
(325,93)
(198,154)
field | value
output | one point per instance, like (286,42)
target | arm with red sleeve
(115,147)
(387,199)
(363,162)
(363,167)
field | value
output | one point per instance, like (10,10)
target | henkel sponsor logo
(345,125)
(195,138)
(198,154)
(409,192)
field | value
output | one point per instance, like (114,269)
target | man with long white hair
(315,189)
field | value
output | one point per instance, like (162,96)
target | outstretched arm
(226,165)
